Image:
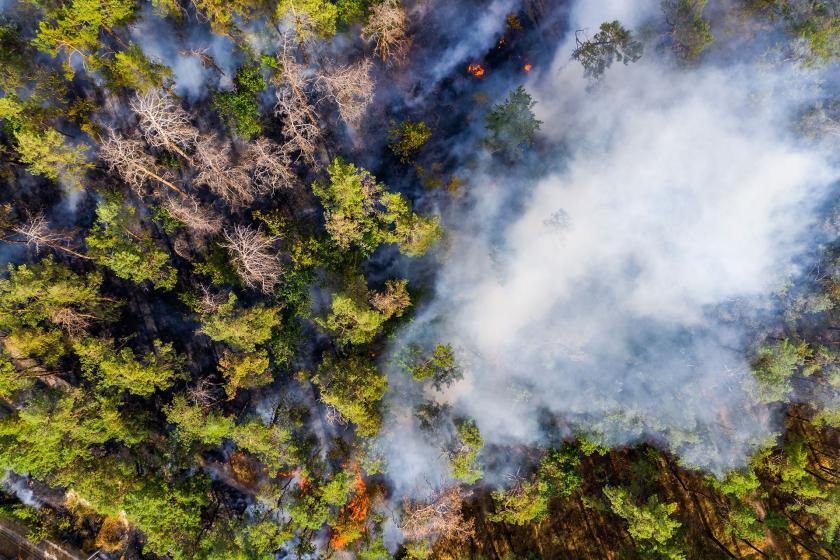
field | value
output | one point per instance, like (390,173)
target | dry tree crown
(164,123)
(351,88)
(255,256)
(438,517)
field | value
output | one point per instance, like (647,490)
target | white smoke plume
(617,291)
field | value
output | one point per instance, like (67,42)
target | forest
(418,279)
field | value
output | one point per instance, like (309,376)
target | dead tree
(164,123)
(36,232)
(350,88)
(255,256)
(127,157)
(386,27)
(218,171)
(300,121)
(438,517)
(270,164)
(196,217)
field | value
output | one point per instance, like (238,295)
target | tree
(255,257)
(222,175)
(196,217)
(407,138)
(650,525)
(350,88)
(72,28)
(132,256)
(355,321)
(354,387)
(122,370)
(43,149)
(309,17)
(244,371)
(194,423)
(127,157)
(36,232)
(440,516)
(467,445)
(132,69)
(270,164)
(163,123)
(775,365)
(512,125)
(301,125)
(242,328)
(690,33)
(613,43)
(386,27)
(240,108)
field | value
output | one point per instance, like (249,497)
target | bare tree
(300,126)
(164,123)
(350,88)
(127,157)
(270,164)
(36,232)
(218,171)
(255,256)
(438,517)
(386,27)
(198,218)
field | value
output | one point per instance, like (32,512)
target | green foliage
(774,366)
(360,213)
(240,108)
(613,43)
(310,18)
(272,445)
(59,429)
(512,126)
(407,138)
(690,32)
(817,22)
(113,242)
(650,525)
(30,517)
(244,371)
(42,149)
(194,423)
(132,69)
(73,28)
(439,366)
(463,461)
(354,387)
(243,328)
(121,369)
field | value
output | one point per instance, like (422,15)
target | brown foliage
(300,126)
(219,172)
(439,517)
(386,27)
(198,218)
(255,256)
(350,88)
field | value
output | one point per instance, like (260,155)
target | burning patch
(476,70)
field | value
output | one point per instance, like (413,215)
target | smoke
(617,293)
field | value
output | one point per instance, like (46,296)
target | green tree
(195,423)
(512,126)
(310,18)
(354,387)
(407,138)
(122,370)
(132,69)
(690,33)
(775,365)
(114,242)
(244,371)
(651,524)
(240,108)
(439,365)
(463,460)
(243,328)
(613,43)
(272,445)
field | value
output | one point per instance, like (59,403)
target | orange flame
(476,70)
(353,516)
(528,67)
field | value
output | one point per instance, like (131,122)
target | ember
(528,67)
(476,70)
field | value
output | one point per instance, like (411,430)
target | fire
(353,516)
(476,70)
(528,67)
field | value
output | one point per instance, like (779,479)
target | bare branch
(255,256)
(191,213)
(164,123)
(127,157)
(270,164)
(217,170)
(36,232)
(439,517)
(300,126)
(386,27)
(350,88)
